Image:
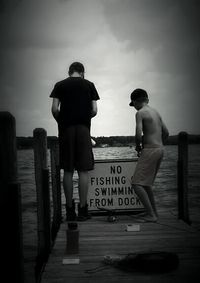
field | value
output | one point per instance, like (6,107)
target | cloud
(123,45)
(166,32)
(50,24)
(169,27)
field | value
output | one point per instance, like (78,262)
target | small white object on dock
(70,260)
(132,227)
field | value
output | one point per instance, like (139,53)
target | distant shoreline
(112,141)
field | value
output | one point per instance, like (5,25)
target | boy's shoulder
(144,110)
(148,111)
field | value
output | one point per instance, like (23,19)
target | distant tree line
(130,140)
(27,142)
(115,140)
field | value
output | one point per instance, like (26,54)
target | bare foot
(148,218)
(139,214)
(142,214)
(156,213)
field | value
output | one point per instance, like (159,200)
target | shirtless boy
(151,134)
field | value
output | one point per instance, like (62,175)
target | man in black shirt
(74,104)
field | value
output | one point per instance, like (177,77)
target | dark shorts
(75,148)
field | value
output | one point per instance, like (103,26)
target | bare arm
(55,108)
(94,108)
(138,132)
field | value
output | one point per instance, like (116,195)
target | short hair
(76,67)
(139,94)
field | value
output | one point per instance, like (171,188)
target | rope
(96,269)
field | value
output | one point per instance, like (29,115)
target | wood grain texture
(99,238)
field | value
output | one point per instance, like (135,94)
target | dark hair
(139,94)
(76,67)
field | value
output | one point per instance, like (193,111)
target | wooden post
(12,263)
(182,168)
(43,198)
(47,211)
(56,187)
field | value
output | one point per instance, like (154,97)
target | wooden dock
(99,238)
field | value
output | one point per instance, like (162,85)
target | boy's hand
(138,148)
(138,153)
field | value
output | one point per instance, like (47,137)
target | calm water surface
(165,184)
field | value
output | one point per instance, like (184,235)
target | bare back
(151,126)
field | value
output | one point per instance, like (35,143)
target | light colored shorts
(148,165)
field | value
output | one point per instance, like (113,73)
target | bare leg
(149,191)
(83,187)
(143,196)
(68,187)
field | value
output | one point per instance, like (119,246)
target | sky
(123,44)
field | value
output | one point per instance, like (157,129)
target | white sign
(110,185)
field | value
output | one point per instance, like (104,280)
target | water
(165,189)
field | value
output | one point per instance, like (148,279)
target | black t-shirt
(75,95)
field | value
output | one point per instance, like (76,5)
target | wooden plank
(56,187)
(10,203)
(43,198)
(182,177)
(99,238)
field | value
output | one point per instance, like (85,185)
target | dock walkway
(99,238)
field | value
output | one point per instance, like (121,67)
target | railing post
(182,177)
(56,187)
(12,263)
(43,197)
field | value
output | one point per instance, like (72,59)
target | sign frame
(101,197)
